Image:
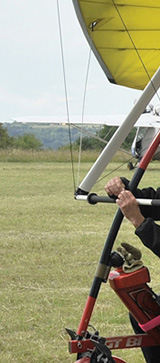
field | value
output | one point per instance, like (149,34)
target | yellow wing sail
(124,36)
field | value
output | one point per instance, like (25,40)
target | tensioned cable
(66,94)
(119,166)
(83,109)
(111,172)
(85,90)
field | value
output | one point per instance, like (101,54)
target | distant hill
(51,136)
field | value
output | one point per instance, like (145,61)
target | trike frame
(82,342)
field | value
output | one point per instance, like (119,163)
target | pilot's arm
(145,227)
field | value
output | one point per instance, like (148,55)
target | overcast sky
(31,73)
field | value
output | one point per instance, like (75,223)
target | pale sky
(31,73)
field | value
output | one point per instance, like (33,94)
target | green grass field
(50,247)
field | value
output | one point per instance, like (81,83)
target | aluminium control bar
(93,198)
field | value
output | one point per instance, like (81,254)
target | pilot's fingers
(126,195)
(125,199)
(114,186)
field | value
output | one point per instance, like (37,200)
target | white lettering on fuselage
(130,342)
(113,343)
(133,342)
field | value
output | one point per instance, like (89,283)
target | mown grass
(50,247)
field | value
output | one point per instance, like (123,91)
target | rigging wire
(85,92)
(83,109)
(97,137)
(111,172)
(66,93)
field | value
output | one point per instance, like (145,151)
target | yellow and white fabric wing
(124,36)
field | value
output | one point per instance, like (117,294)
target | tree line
(29,140)
(25,142)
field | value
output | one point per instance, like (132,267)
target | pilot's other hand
(114,186)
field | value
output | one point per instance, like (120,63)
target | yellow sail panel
(125,37)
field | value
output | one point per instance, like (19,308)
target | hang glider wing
(124,36)
(145,120)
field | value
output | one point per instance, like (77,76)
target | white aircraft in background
(147,126)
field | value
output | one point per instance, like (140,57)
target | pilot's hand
(129,207)
(114,186)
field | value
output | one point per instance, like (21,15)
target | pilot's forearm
(149,233)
